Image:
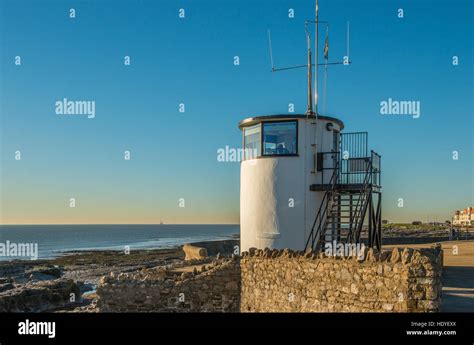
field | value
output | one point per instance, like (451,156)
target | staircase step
(354,201)
(347,225)
(345,210)
(336,207)
(344,216)
(348,202)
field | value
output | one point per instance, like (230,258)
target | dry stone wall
(211,288)
(285,281)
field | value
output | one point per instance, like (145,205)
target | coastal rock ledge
(29,286)
(40,296)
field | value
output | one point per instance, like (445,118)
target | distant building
(416,222)
(464,217)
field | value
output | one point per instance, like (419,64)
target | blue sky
(190,61)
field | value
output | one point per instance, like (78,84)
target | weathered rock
(6,286)
(52,271)
(40,296)
(396,256)
(194,253)
(186,275)
(34,276)
(406,255)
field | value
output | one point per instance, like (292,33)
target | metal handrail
(359,212)
(322,211)
(375,157)
(371,180)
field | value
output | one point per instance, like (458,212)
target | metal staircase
(352,195)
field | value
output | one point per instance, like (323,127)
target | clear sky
(191,61)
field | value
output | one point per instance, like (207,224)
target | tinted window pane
(279,138)
(252,141)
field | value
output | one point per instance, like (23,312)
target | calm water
(54,239)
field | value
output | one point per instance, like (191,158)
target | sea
(56,240)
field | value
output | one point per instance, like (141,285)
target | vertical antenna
(326,54)
(270,46)
(309,111)
(348,59)
(316,64)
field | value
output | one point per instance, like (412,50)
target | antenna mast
(309,65)
(316,64)
(309,110)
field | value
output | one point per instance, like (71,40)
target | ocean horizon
(55,240)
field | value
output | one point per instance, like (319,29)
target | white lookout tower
(303,182)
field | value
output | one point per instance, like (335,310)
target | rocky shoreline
(68,283)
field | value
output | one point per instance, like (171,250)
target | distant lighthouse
(303,183)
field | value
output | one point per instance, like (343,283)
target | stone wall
(213,287)
(284,281)
(287,281)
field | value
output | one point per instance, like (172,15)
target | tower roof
(256,119)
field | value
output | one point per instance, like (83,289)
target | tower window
(280,138)
(252,142)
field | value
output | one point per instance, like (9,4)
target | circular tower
(283,157)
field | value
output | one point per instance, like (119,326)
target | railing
(354,156)
(357,219)
(354,145)
(321,216)
(376,161)
(351,170)
(362,173)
